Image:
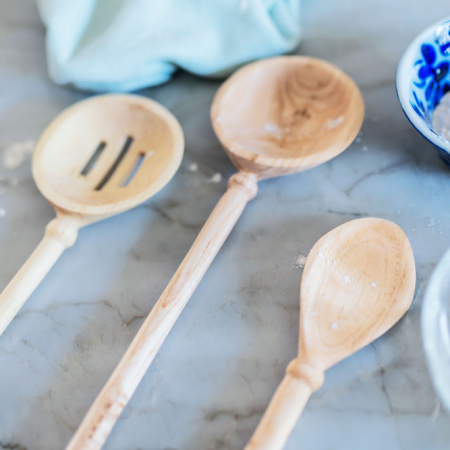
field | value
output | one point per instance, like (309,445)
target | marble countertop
(220,365)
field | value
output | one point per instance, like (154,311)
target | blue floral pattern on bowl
(423,77)
(432,77)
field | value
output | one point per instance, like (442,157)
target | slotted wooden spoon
(358,281)
(98,158)
(274,117)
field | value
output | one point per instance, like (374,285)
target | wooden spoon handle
(60,234)
(108,406)
(286,406)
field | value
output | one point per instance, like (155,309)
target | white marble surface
(220,365)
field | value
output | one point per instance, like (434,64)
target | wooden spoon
(274,117)
(98,158)
(358,281)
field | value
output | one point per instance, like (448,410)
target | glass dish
(436,328)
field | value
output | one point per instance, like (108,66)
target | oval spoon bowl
(286,114)
(107,154)
(358,281)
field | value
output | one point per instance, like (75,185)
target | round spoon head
(287,114)
(358,281)
(107,154)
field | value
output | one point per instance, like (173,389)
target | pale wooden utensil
(274,117)
(98,158)
(357,283)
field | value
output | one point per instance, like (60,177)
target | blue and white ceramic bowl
(423,77)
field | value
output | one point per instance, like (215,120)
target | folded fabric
(123,45)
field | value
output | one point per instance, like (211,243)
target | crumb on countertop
(15,154)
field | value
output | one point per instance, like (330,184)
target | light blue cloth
(123,45)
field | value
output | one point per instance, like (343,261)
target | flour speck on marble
(216,178)
(15,155)
(300,261)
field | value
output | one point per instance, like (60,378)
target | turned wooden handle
(286,406)
(60,234)
(108,406)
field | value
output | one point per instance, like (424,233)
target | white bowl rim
(402,83)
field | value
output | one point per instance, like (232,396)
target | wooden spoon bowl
(107,154)
(287,114)
(358,281)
